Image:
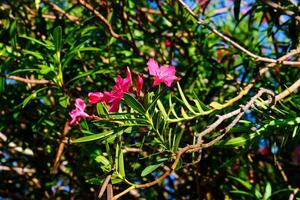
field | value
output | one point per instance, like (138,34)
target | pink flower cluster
(163,74)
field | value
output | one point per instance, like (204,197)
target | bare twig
(281,9)
(242,111)
(288,91)
(235,44)
(61,147)
(25,80)
(107,24)
(109,27)
(64,13)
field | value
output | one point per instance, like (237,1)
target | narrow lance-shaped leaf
(186,103)
(133,103)
(93,137)
(150,169)
(121,164)
(57,36)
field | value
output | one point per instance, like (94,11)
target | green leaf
(242,193)
(186,103)
(57,36)
(33,53)
(102,159)
(101,109)
(150,169)
(63,101)
(13,33)
(36,41)
(121,164)
(268,191)
(238,141)
(115,178)
(246,184)
(93,137)
(162,109)
(2,84)
(133,103)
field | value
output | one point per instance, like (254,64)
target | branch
(107,24)
(61,147)
(288,91)
(235,44)
(64,13)
(281,9)
(109,27)
(25,80)
(242,111)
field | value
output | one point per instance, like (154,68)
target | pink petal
(169,80)
(152,66)
(114,107)
(95,97)
(157,81)
(76,116)
(167,71)
(79,103)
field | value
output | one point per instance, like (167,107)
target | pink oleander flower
(95,97)
(78,113)
(115,96)
(163,74)
(139,84)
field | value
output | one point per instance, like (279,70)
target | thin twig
(242,111)
(110,29)
(61,147)
(281,9)
(288,91)
(235,44)
(25,80)
(102,18)
(64,13)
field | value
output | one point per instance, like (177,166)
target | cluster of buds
(162,74)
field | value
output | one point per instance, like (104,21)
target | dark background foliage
(69,45)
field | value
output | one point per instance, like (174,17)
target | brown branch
(109,27)
(25,80)
(61,147)
(242,111)
(107,24)
(235,44)
(281,9)
(214,125)
(64,13)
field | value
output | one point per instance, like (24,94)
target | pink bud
(95,97)
(139,84)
